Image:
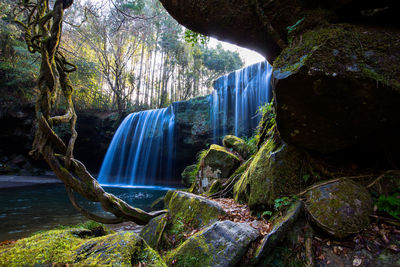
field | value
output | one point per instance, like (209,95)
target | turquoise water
(26,210)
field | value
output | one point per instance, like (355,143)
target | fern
(390,204)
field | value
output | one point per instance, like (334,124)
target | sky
(248,56)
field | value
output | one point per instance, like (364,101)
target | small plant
(281,203)
(390,204)
(266,214)
(306,177)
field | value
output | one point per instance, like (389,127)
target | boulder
(79,247)
(337,86)
(222,244)
(237,145)
(340,208)
(193,210)
(151,232)
(218,163)
(120,249)
(281,228)
(274,172)
(189,175)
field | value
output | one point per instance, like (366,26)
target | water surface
(25,210)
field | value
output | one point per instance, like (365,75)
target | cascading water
(236,99)
(142,150)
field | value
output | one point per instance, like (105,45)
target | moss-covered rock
(221,244)
(153,231)
(340,208)
(80,248)
(236,144)
(193,210)
(120,249)
(217,163)
(337,85)
(275,171)
(189,175)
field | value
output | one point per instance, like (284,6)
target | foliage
(194,38)
(251,143)
(281,203)
(130,55)
(390,204)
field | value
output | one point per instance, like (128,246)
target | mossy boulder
(340,208)
(77,247)
(221,244)
(237,145)
(189,175)
(275,171)
(218,163)
(193,210)
(338,85)
(152,232)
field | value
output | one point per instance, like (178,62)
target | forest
(127,139)
(129,56)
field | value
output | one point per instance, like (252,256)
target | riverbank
(12,181)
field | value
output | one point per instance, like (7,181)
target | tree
(43,29)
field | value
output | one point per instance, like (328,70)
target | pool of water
(26,210)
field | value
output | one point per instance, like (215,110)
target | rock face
(221,244)
(218,163)
(340,208)
(193,129)
(257,25)
(78,247)
(337,87)
(275,172)
(236,144)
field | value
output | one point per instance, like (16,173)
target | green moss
(274,172)
(326,204)
(236,144)
(190,212)
(49,247)
(189,175)
(74,246)
(344,50)
(197,254)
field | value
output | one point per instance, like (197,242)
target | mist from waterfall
(142,150)
(236,99)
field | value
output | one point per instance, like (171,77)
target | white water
(236,99)
(142,150)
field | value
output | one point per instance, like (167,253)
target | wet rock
(189,175)
(340,208)
(274,172)
(193,129)
(236,144)
(281,227)
(332,95)
(222,244)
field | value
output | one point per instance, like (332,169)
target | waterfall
(236,99)
(142,150)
